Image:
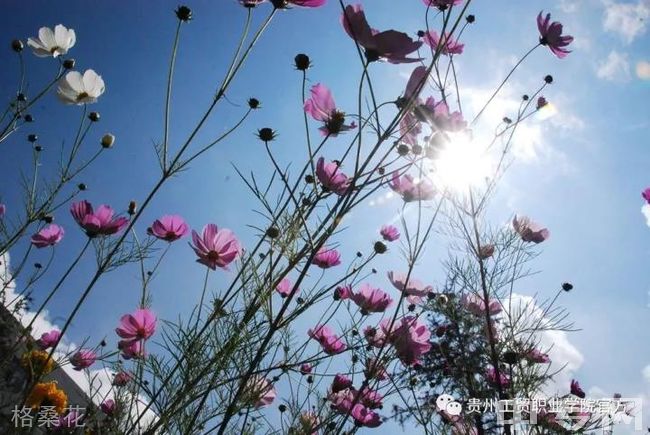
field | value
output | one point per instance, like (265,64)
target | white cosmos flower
(77,89)
(52,43)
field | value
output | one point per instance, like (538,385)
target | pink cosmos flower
(321,107)
(375,337)
(284,288)
(108,407)
(551,35)
(169,228)
(331,177)
(391,45)
(529,230)
(215,247)
(412,287)
(389,233)
(131,349)
(305,368)
(370,398)
(48,236)
(440,117)
(282,4)
(340,383)
(328,340)
(99,222)
(343,292)
(83,359)
(409,337)
(341,400)
(537,356)
(475,304)
(122,378)
(49,339)
(576,390)
(259,391)
(364,416)
(446,44)
(410,190)
(371,300)
(442,4)
(140,325)
(491,376)
(326,258)
(646,195)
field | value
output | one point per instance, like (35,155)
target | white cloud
(646,212)
(643,70)
(615,67)
(629,20)
(568,6)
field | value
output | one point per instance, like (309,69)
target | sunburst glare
(461,164)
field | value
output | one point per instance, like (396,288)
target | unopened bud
(302,62)
(94,116)
(68,63)
(133,207)
(17,45)
(108,140)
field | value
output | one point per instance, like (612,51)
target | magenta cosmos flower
(446,44)
(284,288)
(259,392)
(99,222)
(363,416)
(83,359)
(529,230)
(551,35)
(391,45)
(306,368)
(343,292)
(215,247)
(340,383)
(328,340)
(576,390)
(375,337)
(537,356)
(491,376)
(169,228)
(48,236)
(139,325)
(131,349)
(371,300)
(475,304)
(122,378)
(410,190)
(409,337)
(645,195)
(49,339)
(326,258)
(412,287)
(390,233)
(321,107)
(331,177)
(108,407)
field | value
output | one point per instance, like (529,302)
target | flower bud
(21,97)
(282,407)
(402,150)
(510,357)
(525,97)
(380,247)
(48,219)
(82,186)
(548,79)
(108,140)
(68,63)
(184,13)
(417,149)
(272,232)
(94,116)
(17,45)
(29,118)
(32,138)
(309,179)
(38,148)
(567,286)
(253,103)
(302,62)
(421,33)
(470,18)
(133,207)
(266,134)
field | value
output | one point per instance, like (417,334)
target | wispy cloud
(646,212)
(629,20)
(615,67)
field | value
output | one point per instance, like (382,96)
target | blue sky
(579,172)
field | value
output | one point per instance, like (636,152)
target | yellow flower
(47,393)
(38,362)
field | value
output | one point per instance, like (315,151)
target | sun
(461,164)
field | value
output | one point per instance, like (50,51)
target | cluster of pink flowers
(358,403)
(491,376)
